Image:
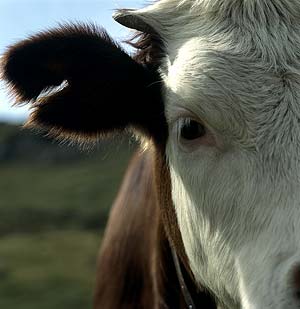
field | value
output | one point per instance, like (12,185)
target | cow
(208,213)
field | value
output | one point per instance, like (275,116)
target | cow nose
(295,281)
(285,284)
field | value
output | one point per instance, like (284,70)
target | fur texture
(99,78)
(232,65)
(135,266)
(116,92)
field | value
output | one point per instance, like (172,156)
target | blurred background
(54,199)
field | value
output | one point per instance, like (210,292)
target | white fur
(235,66)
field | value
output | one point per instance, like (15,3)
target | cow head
(218,86)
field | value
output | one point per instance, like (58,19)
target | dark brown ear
(103,88)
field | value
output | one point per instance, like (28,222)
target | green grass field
(78,194)
(48,270)
(52,215)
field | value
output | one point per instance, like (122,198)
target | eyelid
(183,113)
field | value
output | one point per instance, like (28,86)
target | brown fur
(135,268)
(125,277)
(105,89)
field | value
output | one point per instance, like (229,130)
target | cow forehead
(211,83)
(225,77)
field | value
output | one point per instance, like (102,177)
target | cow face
(231,76)
(225,98)
(231,96)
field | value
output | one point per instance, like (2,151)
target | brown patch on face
(150,51)
(163,187)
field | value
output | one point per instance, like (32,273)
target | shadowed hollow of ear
(104,88)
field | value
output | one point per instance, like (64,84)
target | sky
(20,18)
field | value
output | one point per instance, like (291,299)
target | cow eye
(190,129)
